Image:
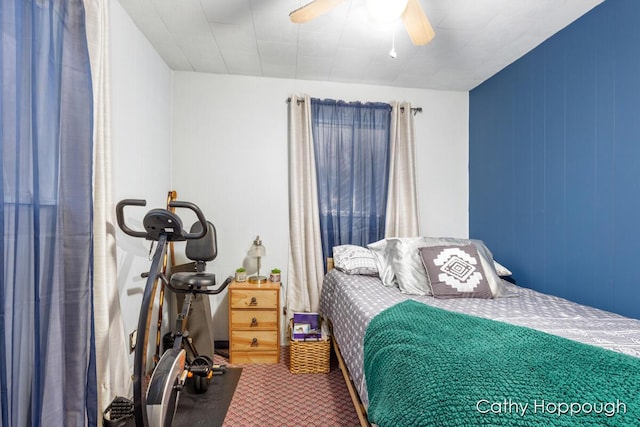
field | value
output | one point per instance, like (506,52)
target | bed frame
(355,398)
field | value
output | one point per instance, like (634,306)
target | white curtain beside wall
(112,366)
(306,266)
(402,200)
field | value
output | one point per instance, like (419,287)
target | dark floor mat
(209,408)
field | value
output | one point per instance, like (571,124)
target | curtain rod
(414,110)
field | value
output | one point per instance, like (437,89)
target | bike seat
(198,250)
(193,281)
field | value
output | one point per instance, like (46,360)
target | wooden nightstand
(254,322)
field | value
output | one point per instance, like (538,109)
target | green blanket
(428,366)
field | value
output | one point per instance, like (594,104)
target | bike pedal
(218,369)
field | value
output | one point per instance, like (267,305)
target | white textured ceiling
(474,39)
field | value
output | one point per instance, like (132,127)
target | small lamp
(257,251)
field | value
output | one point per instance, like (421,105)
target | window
(352,150)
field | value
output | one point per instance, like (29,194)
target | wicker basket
(309,357)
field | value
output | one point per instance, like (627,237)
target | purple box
(306,326)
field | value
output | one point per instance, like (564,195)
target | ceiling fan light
(384,11)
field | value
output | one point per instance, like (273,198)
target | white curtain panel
(402,201)
(112,366)
(306,266)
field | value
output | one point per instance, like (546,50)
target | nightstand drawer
(250,298)
(246,357)
(254,340)
(254,319)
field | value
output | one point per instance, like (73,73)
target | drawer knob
(254,342)
(254,301)
(254,322)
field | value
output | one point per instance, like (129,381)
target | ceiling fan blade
(417,25)
(312,10)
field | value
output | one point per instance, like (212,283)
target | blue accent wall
(554,162)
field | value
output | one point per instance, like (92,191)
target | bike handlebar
(174,204)
(120,216)
(199,215)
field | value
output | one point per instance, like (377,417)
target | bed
(354,295)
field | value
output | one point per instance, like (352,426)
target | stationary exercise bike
(156,404)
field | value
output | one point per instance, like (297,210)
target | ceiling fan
(413,17)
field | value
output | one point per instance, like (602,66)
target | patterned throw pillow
(455,272)
(352,259)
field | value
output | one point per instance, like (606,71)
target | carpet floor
(269,395)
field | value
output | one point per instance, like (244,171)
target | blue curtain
(46,350)
(351,146)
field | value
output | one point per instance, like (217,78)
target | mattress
(351,301)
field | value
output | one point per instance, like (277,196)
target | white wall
(221,142)
(141,141)
(230,157)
